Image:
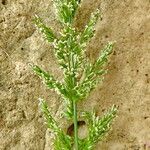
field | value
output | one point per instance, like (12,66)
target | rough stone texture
(127,83)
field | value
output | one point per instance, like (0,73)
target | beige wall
(127,83)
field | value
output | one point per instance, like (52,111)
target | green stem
(75,125)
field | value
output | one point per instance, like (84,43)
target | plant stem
(75,125)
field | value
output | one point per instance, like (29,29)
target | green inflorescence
(80,77)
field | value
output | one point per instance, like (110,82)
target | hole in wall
(146,117)
(70,130)
(4,2)
(114,53)
(41,59)
(106,36)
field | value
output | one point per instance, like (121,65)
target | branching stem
(75,125)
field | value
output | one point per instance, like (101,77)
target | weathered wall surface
(127,83)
